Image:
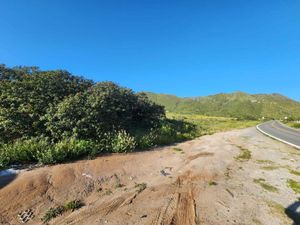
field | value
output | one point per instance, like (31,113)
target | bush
(122,142)
(59,210)
(146,139)
(172,131)
(43,151)
(73,205)
(22,151)
(25,95)
(296,125)
(65,150)
(169,131)
(53,213)
(104,108)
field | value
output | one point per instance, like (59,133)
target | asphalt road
(281,132)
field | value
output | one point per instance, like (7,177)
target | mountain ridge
(237,104)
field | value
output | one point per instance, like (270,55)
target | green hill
(239,105)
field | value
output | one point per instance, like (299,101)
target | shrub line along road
(281,132)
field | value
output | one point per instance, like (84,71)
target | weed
(118,182)
(108,192)
(259,180)
(119,185)
(59,210)
(227,173)
(278,210)
(53,213)
(244,155)
(212,183)
(99,189)
(270,167)
(295,172)
(262,182)
(178,150)
(294,185)
(256,221)
(123,142)
(264,161)
(141,187)
(73,205)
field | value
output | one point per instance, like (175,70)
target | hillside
(239,104)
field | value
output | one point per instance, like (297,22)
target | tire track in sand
(181,208)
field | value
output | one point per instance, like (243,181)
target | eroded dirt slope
(237,177)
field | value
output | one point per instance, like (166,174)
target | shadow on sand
(293,212)
(5,180)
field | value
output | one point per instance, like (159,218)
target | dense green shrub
(172,131)
(106,107)
(68,149)
(296,125)
(146,139)
(25,95)
(169,131)
(59,210)
(53,213)
(73,205)
(22,151)
(41,150)
(122,142)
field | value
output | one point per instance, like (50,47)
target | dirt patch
(181,208)
(201,154)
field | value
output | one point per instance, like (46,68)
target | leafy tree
(25,95)
(106,107)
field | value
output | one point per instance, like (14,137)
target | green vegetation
(108,192)
(179,150)
(295,172)
(236,105)
(293,124)
(256,221)
(272,167)
(212,183)
(264,185)
(244,155)
(264,161)
(140,187)
(294,185)
(279,211)
(59,210)
(52,116)
(73,205)
(53,213)
(296,125)
(212,124)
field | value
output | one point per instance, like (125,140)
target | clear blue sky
(187,48)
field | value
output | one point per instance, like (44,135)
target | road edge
(276,138)
(288,126)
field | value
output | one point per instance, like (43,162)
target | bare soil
(199,182)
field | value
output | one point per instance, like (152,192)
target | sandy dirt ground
(211,180)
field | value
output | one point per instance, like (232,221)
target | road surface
(281,132)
